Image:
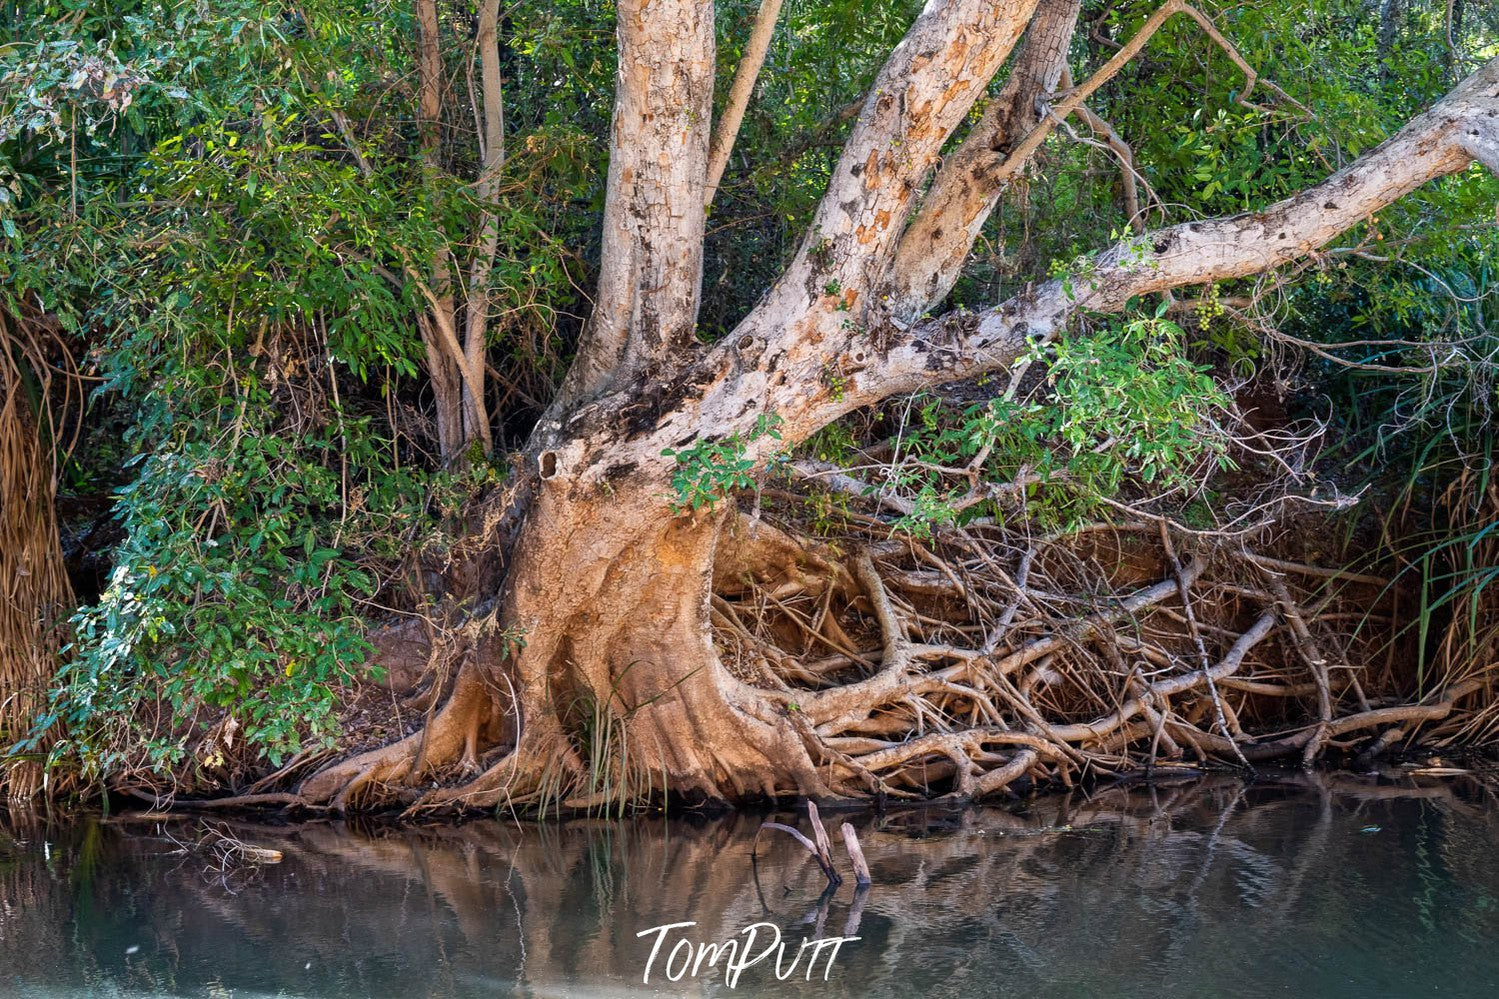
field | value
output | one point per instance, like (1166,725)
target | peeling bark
(651,257)
(609,589)
(967,188)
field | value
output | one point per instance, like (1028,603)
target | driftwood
(856,855)
(822,850)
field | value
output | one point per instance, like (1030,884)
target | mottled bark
(651,253)
(607,584)
(967,188)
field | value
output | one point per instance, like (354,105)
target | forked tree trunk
(614,679)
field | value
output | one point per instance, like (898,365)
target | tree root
(1047,694)
(539,772)
(450,735)
(960,668)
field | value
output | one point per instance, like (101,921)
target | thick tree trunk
(610,594)
(968,187)
(607,664)
(602,677)
(650,271)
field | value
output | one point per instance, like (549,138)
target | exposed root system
(986,659)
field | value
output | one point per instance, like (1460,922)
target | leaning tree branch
(472,378)
(739,94)
(919,98)
(778,359)
(936,246)
(1130,178)
(1440,142)
(967,187)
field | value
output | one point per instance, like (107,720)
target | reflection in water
(1291,888)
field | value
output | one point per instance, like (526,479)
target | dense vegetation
(320,275)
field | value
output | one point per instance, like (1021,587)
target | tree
(608,537)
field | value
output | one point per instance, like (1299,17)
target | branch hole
(548,462)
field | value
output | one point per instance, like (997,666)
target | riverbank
(986,660)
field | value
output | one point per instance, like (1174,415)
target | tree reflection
(1134,888)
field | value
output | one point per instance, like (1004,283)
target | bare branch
(739,93)
(1432,145)
(1225,667)
(1311,654)
(447,342)
(1130,179)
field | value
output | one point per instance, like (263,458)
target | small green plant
(1120,405)
(709,470)
(828,512)
(835,443)
(836,381)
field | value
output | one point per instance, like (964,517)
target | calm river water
(1285,888)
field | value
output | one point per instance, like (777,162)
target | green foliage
(230,250)
(1130,402)
(250,549)
(1120,405)
(710,470)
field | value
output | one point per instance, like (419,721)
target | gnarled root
(966,664)
(535,774)
(965,667)
(450,736)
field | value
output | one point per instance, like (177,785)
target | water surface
(1284,888)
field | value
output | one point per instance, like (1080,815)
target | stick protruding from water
(856,856)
